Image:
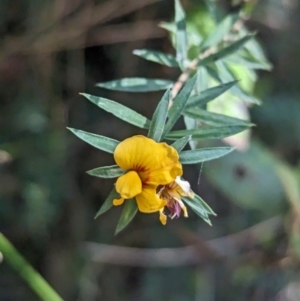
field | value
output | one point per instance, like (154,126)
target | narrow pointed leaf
(169,26)
(210,94)
(159,118)
(214,10)
(129,211)
(190,124)
(226,51)
(248,61)
(210,118)
(179,104)
(199,200)
(136,84)
(181,143)
(203,154)
(202,80)
(226,75)
(157,57)
(119,110)
(101,142)
(222,29)
(198,208)
(206,133)
(181,35)
(112,171)
(108,203)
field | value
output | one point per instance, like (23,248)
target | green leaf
(181,35)
(112,171)
(248,61)
(157,57)
(108,203)
(136,84)
(169,26)
(101,142)
(210,94)
(226,51)
(129,211)
(203,154)
(202,80)
(222,29)
(179,103)
(226,75)
(210,118)
(199,200)
(197,207)
(213,9)
(159,118)
(206,133)
(119,110)
(181,143)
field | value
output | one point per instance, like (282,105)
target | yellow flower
(148,164)
(172,193)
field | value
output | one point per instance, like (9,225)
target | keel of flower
(172,193)
(148,164)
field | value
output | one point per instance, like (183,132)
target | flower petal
(184,187)
(129,185)
(162,217)
(148,201)
(118,202)
(156,163)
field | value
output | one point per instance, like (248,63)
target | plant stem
(36,282)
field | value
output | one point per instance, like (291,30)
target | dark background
(52,50)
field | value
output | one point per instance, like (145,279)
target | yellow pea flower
(172,193)
(148,164)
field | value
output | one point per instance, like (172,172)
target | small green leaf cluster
(188,97)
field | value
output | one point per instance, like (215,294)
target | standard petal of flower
(129,185)
(148,201)
(145,156)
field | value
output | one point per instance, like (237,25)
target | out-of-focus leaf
(101,142)
(181,35)
(159,118)
(112,171)
(213,10)
(208,95)
(169,26)
(254,48)
(179,103)
(204,154)
(205,133)
(136,84)
(248,61)
(253,168)
(157,57)
(119,110)
(226,75)
(190,124)
(198,208)
(108,203)
(226,51)
(181,143)
(129,211)
(222,29)
(210,118)
(202,80)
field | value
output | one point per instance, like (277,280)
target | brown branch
(222,248)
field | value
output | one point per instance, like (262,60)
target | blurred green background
(52,50)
